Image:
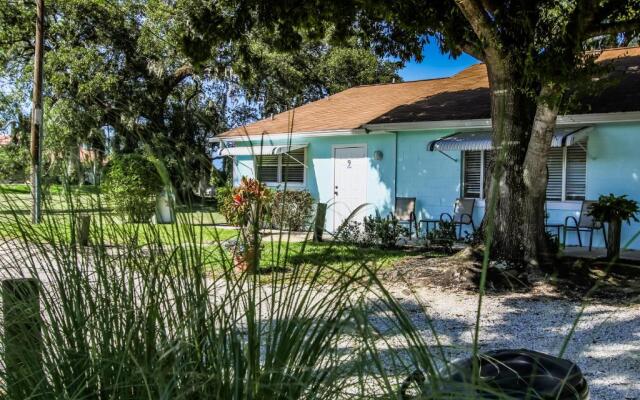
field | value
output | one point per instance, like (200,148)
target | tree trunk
(523,128)
(512,113)
(535,174)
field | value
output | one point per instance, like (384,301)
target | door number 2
(348,163)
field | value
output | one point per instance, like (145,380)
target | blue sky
(435,64)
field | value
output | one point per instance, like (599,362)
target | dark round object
(521,374)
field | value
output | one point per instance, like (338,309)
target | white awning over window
(464,141)
(260,150)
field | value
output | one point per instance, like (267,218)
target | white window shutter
(293,166)
(472,174)
(267,167)
(576,171)
(554,168)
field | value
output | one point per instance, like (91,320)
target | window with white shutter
(555,168)
(282,168)
(472,174)
(267,167)
(293,167)
(567,168)
(576,173)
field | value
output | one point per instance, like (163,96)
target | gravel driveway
(606,344)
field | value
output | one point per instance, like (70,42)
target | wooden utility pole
(36,117)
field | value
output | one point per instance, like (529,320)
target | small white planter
(165,203)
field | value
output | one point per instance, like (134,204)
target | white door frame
(333,158)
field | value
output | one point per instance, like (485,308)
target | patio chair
(462,214)
(548,226)
(584,223)
(405,212)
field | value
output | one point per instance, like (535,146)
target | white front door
(350,165)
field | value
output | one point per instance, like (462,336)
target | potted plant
(614,210)
(249,208)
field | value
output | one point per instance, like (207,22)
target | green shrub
(291,209)
(224,202)
(351,232)
(374,231)
(14,163)
(383,232)
(131,184)
(445,234)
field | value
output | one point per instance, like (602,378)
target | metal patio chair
(584,223)
(405,212)
(462,214)
(549,226)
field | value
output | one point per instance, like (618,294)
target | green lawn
(60,203)
(195,226)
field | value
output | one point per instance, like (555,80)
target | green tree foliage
(119,65)
(115,64)
(276,79)
(14,163)
(131,185)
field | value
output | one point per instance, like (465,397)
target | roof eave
(287,135)
(485,123)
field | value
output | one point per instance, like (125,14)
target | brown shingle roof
(459,97)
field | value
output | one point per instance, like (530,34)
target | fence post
(321,213)
(22,337)
(83,222)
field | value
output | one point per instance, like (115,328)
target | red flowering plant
(249,207)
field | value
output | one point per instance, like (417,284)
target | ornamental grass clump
(147,311)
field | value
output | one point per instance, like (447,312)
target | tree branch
(471,49)
(481,25)
(477,19)
(180,74)
(615,27)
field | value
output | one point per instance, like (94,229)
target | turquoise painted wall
(613,166)
(431,177)
(319,174)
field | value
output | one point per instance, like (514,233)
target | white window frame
(280,182)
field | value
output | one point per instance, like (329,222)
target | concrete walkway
(598,252)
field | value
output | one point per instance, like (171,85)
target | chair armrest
(448,216)
(571,217)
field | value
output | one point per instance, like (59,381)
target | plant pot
(613,238)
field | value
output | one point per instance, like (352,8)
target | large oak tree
(534,51)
